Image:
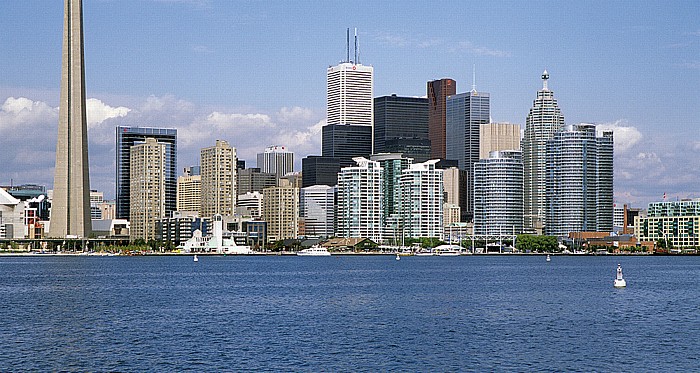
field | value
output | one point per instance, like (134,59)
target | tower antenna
(474,78)
(356,61)
(545,77)
(347,41)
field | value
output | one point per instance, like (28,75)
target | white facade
(11,216)
(147,188)
(360,203)
(276,159)
(318,210)
(498,194)
(218,171)
(422,199)
(250,204)
(350,94)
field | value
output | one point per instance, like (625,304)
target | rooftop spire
(545,77)
(474,78)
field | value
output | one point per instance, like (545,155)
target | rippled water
(478,313)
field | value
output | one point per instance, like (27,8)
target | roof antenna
(356,60)
(545,77)
(347,41)
(474,78)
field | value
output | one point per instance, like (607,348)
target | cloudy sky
(253,73)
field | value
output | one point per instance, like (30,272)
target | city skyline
(211,78)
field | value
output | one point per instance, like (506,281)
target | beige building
(147,188)
(281,212)
(451,213)
(218,171)
(498,136)
(189,193)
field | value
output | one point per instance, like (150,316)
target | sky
(253,73)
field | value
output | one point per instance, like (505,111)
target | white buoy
(195,258)
(619,281)
(548,259)
(398,257)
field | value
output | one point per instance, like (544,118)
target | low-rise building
(677,223)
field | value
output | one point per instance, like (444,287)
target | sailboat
(619,281)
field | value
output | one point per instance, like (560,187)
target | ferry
(447,250)
(314,251)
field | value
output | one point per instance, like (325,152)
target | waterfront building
(281,212)
(218,168)
(350,94)
(11,216)
(422,200)
(189,193)
(393,166)
(498,193)
(276,159)
(317,211)
(360,210)
(579,181)
(319,170)
(346,142)
(251,180)
(543,121)
(401,126)
(438,91)
(147,188)
(250,204)
(130,136)
(623,218)
(675,222)
(498,136)
(70,212)
(96,198)
(180,227)
(465,113)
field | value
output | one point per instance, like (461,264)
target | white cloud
(481,51)
(294,114)
(98,111)
(625,136)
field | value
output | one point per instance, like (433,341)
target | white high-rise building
(360,203)
(422,198)
(250,204)
(276,159)
(317,211)
(498,193)
(350,94)
(218,171)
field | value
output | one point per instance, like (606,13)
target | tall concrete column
(70,210)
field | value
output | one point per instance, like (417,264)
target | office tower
(579,181)
(319,170)
(465,113)
(189,193)
(438,90)
(292,179)
(250,204)
(70,211)
(498,194)
(498,136)
(96,199)
(401,126)
(393,165)
(276,159)
(455,187)
(253,180)
(677,223)
(543,121)
(346,142)
(281,212)
(350,94)
(130,136)
(218,168)
(147,188)
(360,209)
(317,211)
(422,200)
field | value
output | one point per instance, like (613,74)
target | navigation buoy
(195,258)
(398,257)
(548,259)
(619,281)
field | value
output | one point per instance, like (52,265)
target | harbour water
(349,313)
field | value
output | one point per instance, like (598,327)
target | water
(371,313)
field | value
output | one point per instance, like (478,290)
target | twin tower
(70,208)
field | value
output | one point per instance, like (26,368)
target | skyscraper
(218,168)
(189,193)
(350,94)
(401,126)
(360,204)
(422,199)
(253,180)
(498,193)
(579,181)
(393,165)
(346,142)
(70,211)
(497,137)
(317,210)
(438,90)
(465,113)
(276,159)
(319,170)
(130,136)
(543,121)
(147,188)
(281,212)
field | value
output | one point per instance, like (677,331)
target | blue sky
(253,73)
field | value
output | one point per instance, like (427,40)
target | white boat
(424,253)
(398,257)
(447,250)
(548,258)
(619,281)
(195,258)
(314,251)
